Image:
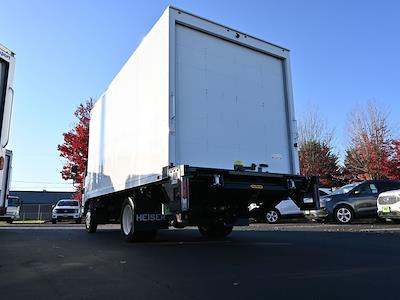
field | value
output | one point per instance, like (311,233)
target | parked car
(355,200)
(389,206)
(286,209)
(67,209)
(13,208)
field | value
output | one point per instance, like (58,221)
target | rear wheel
(344,214)
(90,221)
(78,221)
(272,216)
(9,221)
(215,230)
(53,221)
(128,229)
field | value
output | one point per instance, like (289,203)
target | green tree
(317,158)
(316,153)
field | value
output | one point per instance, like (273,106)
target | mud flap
(148,214)
(150,221)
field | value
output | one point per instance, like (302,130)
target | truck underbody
(215,200)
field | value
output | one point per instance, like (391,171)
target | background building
(37,205)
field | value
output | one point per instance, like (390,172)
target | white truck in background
(197,125)
(13,210)
(7,65)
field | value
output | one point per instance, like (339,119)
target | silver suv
(355,200)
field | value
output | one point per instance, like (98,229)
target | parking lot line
(380,229)
(41,227)
(205,242)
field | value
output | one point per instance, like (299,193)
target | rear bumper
(255,187)
(388,210)
(206,195)
(9,217)
(390,215)
(65,216)
(316,214)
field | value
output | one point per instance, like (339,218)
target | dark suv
(355,200)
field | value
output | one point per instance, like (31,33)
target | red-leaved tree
(75,147)
(372,153)
(393,171)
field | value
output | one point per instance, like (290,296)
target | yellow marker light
(238,163)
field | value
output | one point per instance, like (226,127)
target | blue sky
(344,53)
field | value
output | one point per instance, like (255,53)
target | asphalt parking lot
(302,260)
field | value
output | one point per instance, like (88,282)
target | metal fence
(36,212)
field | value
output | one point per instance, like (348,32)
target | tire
(343,214)
(10,221)
(53,221)
(273,216)
(128,230)
(215,231)
(90,221)
(396,221)
(78,221)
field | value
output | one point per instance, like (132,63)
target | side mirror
(74,171)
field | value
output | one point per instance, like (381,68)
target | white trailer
(7,65)
(193,99)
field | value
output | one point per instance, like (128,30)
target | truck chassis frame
(215,200)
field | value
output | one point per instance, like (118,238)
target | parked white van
(389,205)
(286,209)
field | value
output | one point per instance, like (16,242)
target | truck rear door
(230,104)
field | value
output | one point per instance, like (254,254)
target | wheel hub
(272,216)
(344,215)
(87,221)
(127,220)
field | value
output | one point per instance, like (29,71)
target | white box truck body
(7,65)
(194,93)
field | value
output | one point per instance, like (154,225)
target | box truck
(198,124)
(7,64)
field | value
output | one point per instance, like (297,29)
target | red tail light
(185,187)
(184,194)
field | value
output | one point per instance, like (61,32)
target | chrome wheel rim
(127,219)
(343,215)
(87,221)
(272,216)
